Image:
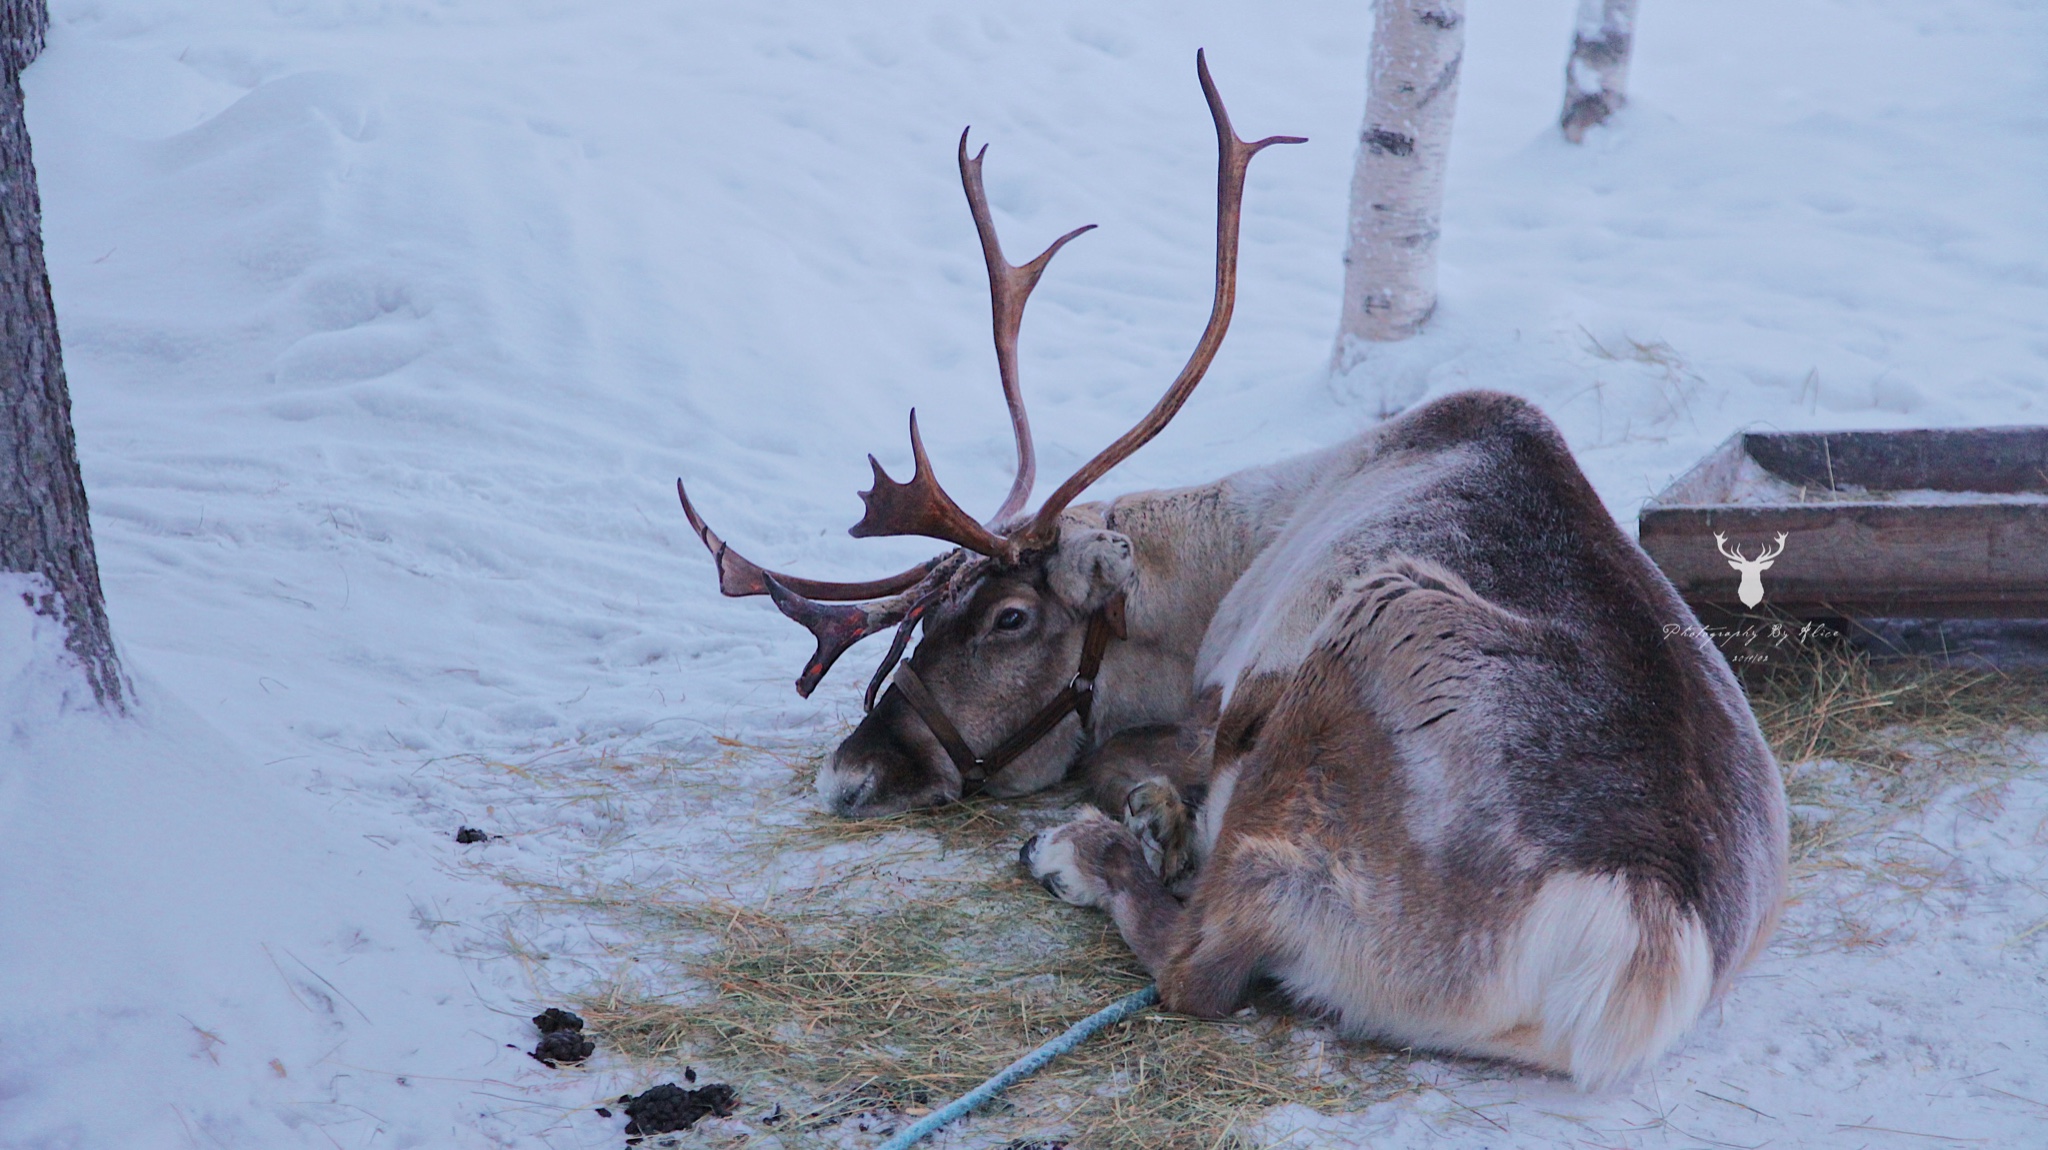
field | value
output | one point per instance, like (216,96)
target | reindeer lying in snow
(1405,710)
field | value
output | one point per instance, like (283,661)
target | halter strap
(1077,697)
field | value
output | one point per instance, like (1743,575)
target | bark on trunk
(1397,189)
(44,528)
(1596,77)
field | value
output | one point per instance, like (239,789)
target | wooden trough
(1876,524)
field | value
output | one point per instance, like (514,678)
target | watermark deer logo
(1751,592)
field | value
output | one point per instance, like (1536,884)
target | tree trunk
(44,529)
(1596,77)
(1397,189)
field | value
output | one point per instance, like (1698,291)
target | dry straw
(841,1005)
(922,960)
(1867,741)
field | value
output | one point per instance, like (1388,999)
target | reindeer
(1400,717)
(1751,590)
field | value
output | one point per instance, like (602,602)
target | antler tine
(1009,286)
(1234,155)
(838,626)
(922,507)
(889,661)
(738,576)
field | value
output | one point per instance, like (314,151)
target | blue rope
(1076,1034)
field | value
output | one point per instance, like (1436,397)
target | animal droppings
(555,1018)
(667,1107)
(563,1046)
(561,1038)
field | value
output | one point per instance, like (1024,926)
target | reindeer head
(1751,590)
(1016,618)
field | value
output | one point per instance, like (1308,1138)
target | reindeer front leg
(1154,779)
(1095,861)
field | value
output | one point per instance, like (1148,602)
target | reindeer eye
(1012,619)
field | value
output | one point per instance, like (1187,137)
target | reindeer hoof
(1155,814)
(1066,860)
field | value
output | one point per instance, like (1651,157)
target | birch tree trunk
(43,525)
(1397,188)
(1596,76)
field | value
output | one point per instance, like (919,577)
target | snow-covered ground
(389,326)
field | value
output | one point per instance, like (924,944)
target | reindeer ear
(1090,566)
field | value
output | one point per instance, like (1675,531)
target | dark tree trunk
(43,525)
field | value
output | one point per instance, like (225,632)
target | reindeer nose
(1025,852)
(848,801)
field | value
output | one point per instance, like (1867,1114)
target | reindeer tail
(1615,971)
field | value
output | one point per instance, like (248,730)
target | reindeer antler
(823,607)
(1776,549)
(738,576)
(921,506)
(1009,286)
(1731,554)
(838,626)
(1233,157)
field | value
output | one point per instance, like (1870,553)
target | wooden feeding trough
(1875,524)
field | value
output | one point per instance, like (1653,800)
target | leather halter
(1077,697)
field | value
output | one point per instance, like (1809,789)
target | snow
(197,955)
(1742,481)
(389,326)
